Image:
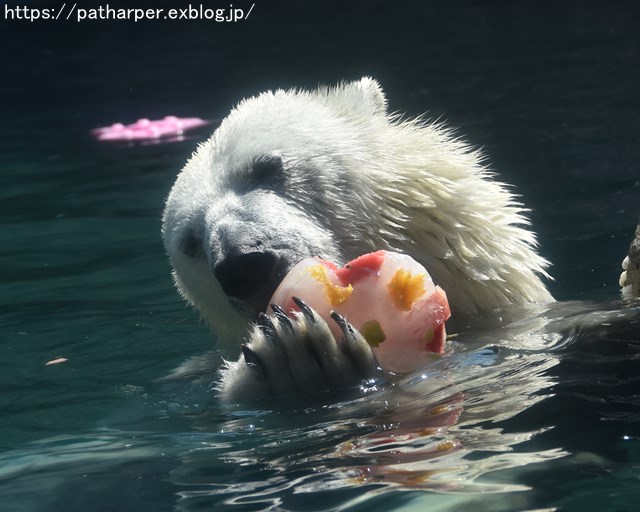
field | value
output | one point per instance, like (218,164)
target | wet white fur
(357,179)
(413,187)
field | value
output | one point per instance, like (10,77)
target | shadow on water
(480,427)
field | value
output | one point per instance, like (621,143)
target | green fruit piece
(373,333)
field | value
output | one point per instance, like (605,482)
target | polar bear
(331,173)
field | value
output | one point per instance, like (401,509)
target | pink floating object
(389,297)
(147,129)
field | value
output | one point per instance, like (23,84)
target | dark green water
(549,91)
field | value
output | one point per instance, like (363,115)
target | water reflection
(480,422)
(454,428)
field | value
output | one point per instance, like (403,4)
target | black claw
(345,326)
(266,326)
(349,344)
(282,317)
(253,361)
(306,310)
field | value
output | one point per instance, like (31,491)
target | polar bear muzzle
(250,277)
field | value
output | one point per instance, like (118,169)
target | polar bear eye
(267,168)
(191,244)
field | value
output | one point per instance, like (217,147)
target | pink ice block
(389,297)
(147,129)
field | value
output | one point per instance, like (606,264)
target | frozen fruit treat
(389,297)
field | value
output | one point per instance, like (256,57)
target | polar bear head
(293,174)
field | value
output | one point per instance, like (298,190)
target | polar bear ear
(364,96)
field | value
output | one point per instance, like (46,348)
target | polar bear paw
(297,355)
(630,277)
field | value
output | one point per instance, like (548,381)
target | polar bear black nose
(245,276)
